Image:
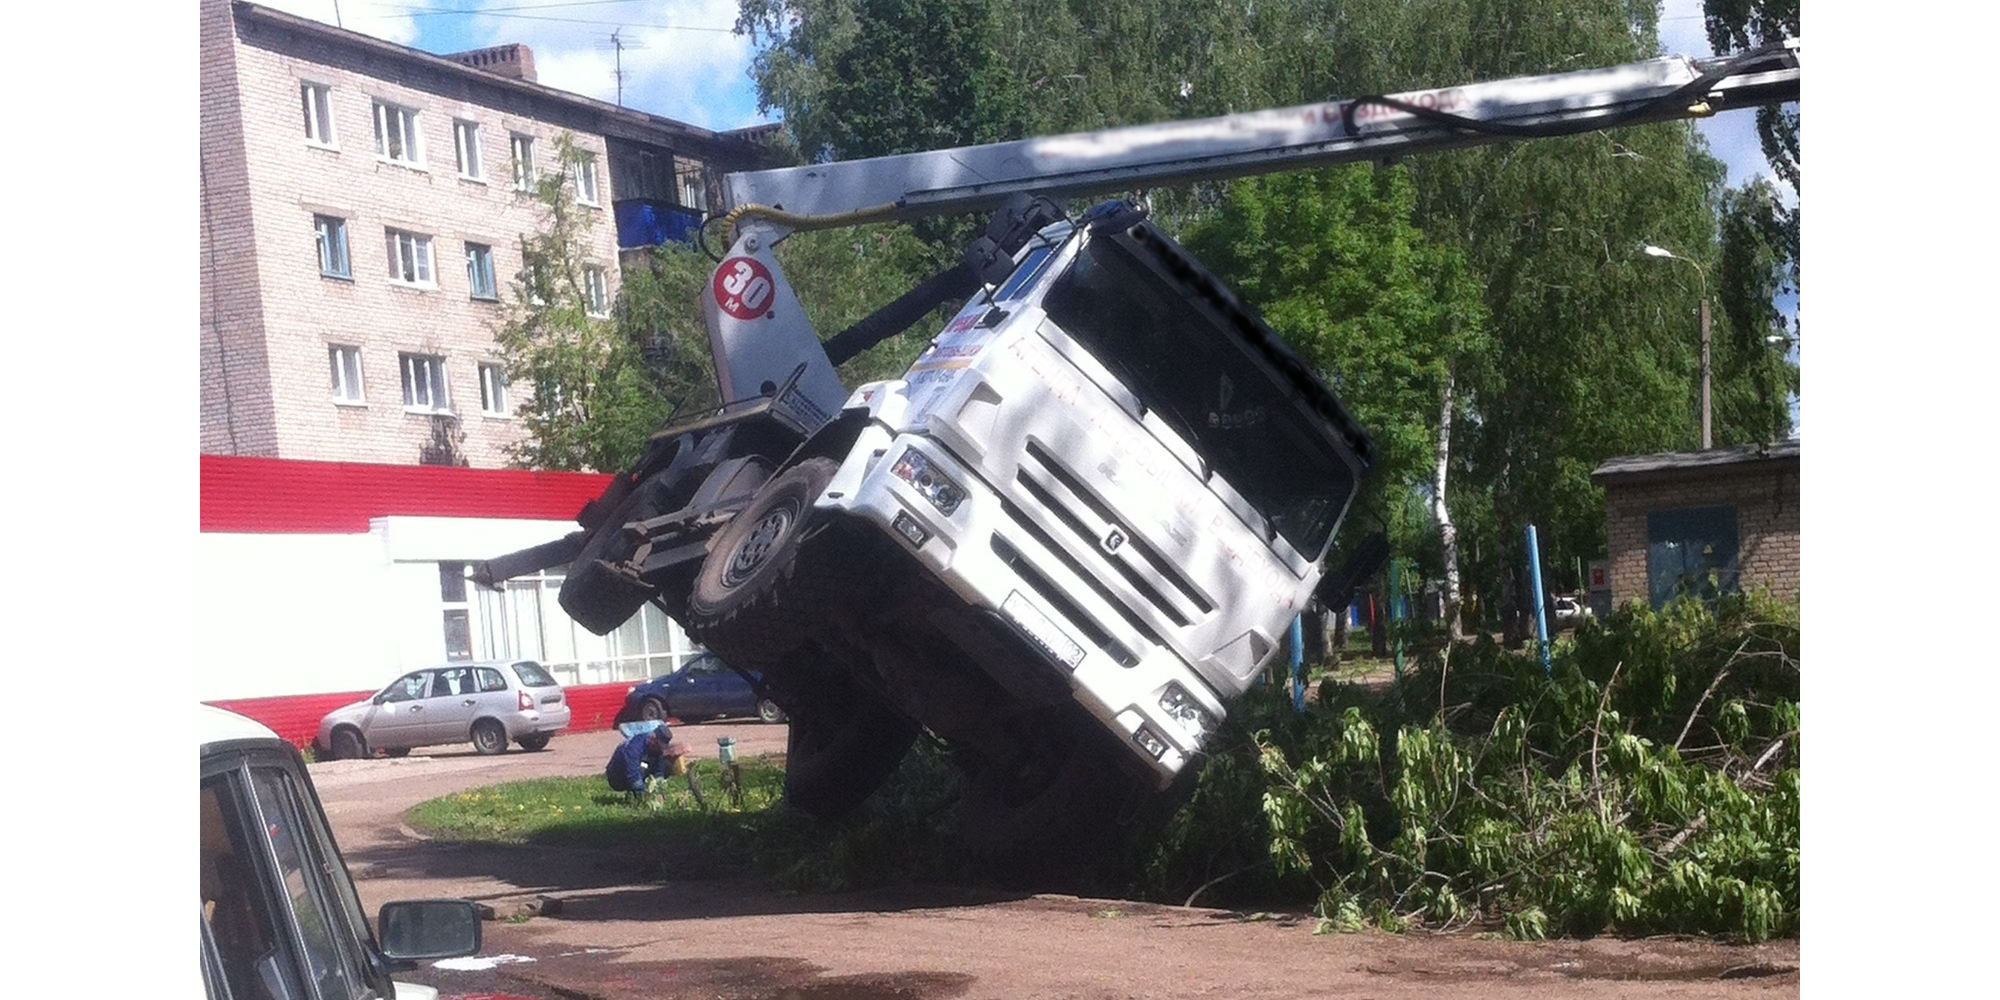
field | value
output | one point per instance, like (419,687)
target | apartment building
(362,206)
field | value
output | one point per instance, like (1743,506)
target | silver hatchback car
(489,703)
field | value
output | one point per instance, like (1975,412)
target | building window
(492,390)
(423,384)
(317,101)
(691,177)
(479,271)
(1690,550)
(457,621)
(522,148)
(465,135)
(410,258)
(396,135)
(331,234)
(597,300)
(346,362)
(583,173)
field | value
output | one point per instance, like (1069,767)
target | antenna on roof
(618,46)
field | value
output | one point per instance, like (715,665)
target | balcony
(646,222)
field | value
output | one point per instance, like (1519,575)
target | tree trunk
(1447,532)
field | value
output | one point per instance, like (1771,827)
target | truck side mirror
(426,929)
(1336,589)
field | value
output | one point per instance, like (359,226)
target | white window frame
(583,175)
(345,360)
(465,137)
(316,101)
(479,264)
(410,259)
(521,150)
(330,240)
(425,387)
(402,124)
(596,291)
(691,183)
(493,389)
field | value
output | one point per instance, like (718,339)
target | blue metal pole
(1541,610)
(1298,638)
(1396,618)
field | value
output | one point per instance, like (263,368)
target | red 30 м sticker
(743,288)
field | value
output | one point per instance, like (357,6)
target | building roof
(1683,464)
(637,125)
(284,496)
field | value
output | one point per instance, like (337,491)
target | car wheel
(534,741)
(652,710)
(489,737)
(397,752)
(348,745)
(768,711)
(835,759)
(745,598)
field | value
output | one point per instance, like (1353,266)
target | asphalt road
(622,936)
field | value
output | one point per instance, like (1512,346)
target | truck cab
(280,919)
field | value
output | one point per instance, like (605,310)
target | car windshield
(1204,382)
(532,675)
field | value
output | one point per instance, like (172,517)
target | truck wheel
(599,599)
(834,760)
(748,602)
(1045,815)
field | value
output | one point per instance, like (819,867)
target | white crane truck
(1080,524)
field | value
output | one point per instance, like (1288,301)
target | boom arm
(979,178)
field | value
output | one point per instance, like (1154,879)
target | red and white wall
(321,582)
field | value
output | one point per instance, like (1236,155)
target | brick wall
(236,407)
(263,234)
(1765,495)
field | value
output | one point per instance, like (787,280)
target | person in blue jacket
(647,755)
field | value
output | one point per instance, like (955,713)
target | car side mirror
(425,929)
(380,698)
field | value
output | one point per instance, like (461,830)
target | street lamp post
(1707,435)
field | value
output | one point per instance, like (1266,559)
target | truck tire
(1044,817)
(834,760)
(749,602)
(599,599)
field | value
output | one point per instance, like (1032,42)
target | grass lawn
(582,812)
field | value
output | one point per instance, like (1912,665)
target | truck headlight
(1181,707)
(935,486)
(1150,742)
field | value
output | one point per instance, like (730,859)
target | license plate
(1042,629)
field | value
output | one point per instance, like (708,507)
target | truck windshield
(1207,384)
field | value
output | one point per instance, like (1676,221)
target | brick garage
(1656,505)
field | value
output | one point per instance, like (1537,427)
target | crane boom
(979,178)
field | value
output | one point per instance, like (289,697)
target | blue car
(703,688)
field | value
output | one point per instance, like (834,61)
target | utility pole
(1707,432)
(1707,427)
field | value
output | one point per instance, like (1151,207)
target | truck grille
(1085,521)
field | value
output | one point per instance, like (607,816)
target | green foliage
(1649,786)
(1336,265)
(598,385)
